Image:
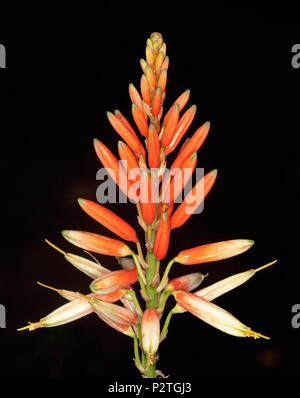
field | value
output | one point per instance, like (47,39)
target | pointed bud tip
(80,201)
(65,233)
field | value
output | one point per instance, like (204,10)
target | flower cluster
(154,190)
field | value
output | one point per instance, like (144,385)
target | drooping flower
(150,333)
(144,179)
(113,281)
(214,315)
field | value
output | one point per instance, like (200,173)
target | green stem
(164,297)
(166,325)
(135,300)
(136,351)
(142,278)
(150,272)
(166,273)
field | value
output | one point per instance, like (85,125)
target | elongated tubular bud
(114,312)
(147,197)
(123,119)
(113,281)
(127,134)
(181,102)
(109,219)
(132,166)
(213,315)
(214,251)
(192,145)
(67,313)
(69,295)
(162,81)
(170,127)
(97,243)
(156,102)
(125,329)
(217,289)
(165,64)
(112,166)
(140,120)
(153,148)
(186,282)
(136,98)
(181,215)
(149,56)
(168,209)
(182,127)
(158,62)
(150,77)
(185,172)
(143,64)
(150,332)
(161,243)
(88,267)
(145,90)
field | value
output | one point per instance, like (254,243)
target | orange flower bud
(140,121)
(109,219)
(135,97)
(145,90)
(165,64)
(114,280)
(150,76)
(147,197)
(170,127)
(117,173)
(186,282)
(162,237)
(182,176)
(213,251)
(156,102)
(153,148)
(192,145)
(162,81)
(187,207)
(126,155)
(158,62)
(97,243)
(112,297)
(182,127)
(181,102)
(127,134)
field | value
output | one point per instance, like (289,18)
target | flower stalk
(143,165)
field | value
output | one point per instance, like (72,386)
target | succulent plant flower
(69,312)
(150,334)
(186,282)
(109,219)
(213,251)
(97,243)
(113,281)
(214,315)
(144,175)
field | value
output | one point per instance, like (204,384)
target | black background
(65,68)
